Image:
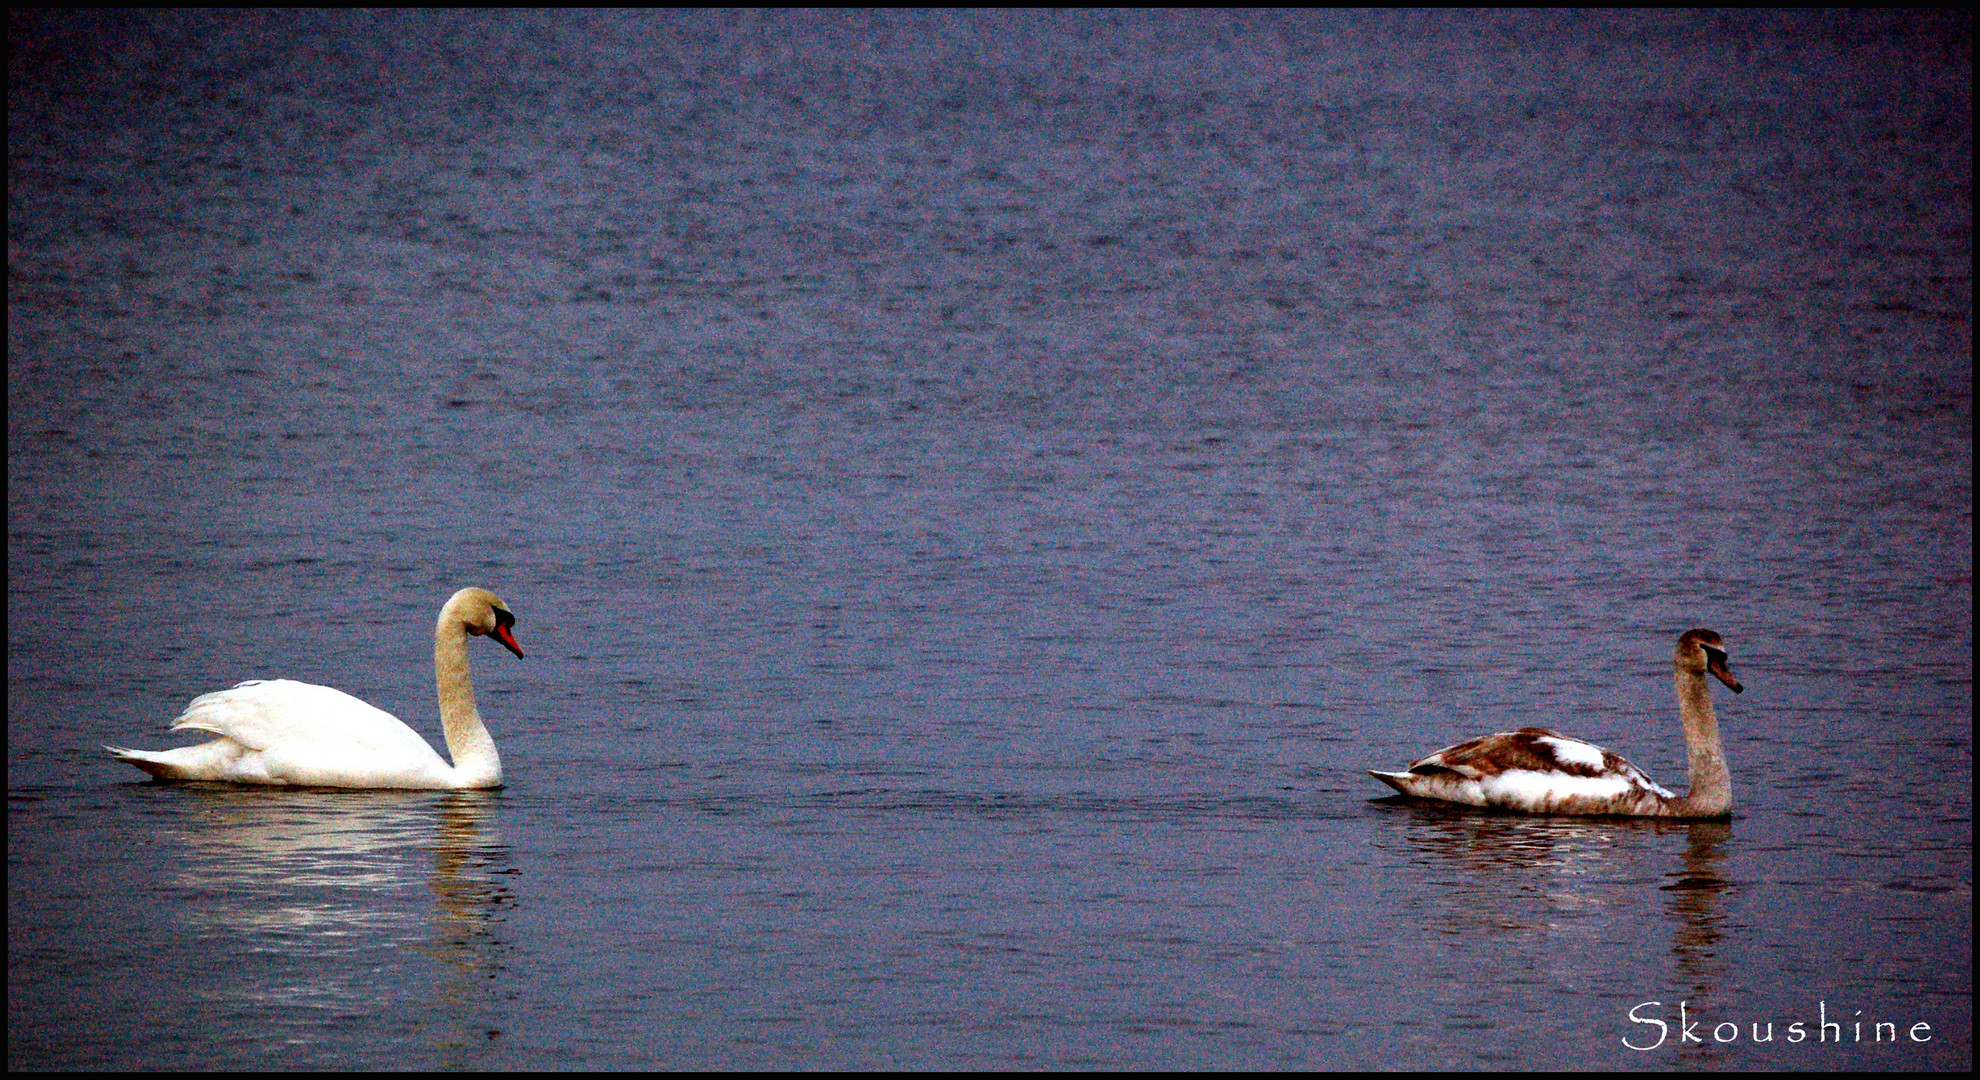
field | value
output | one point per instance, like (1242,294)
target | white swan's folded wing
(266,714)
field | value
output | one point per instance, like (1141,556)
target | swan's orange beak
(503,634)
(1715,662)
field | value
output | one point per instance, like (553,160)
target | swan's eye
(503,620)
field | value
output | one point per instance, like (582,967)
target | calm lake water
(978,492)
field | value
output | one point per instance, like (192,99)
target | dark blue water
(978,492)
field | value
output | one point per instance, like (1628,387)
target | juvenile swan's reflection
(1552,894)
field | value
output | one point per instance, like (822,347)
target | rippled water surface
(978,493)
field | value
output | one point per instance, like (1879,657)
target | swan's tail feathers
(150,761)
(1397,780)
(216,760)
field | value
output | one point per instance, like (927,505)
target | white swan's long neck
(475,761)
(1711,785)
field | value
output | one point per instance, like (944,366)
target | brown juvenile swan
(283,732)
(1544,772)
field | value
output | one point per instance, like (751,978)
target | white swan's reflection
(322,894)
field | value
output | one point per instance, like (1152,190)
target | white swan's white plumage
(1544,772)
(282,732)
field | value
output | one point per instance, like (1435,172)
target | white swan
(1543,772)
(283,732)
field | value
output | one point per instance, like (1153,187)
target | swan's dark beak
(1715,662)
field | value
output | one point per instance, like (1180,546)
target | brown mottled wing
(1523,750)
(1490,755)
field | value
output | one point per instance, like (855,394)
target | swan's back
(264,713)
(1533,769)
(279,731)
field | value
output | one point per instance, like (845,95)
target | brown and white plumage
(1544,772)
(279,731)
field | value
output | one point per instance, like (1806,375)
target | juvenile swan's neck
(476,764)
(1711,785)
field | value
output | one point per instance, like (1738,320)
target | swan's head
(1705,650)
(483,614)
